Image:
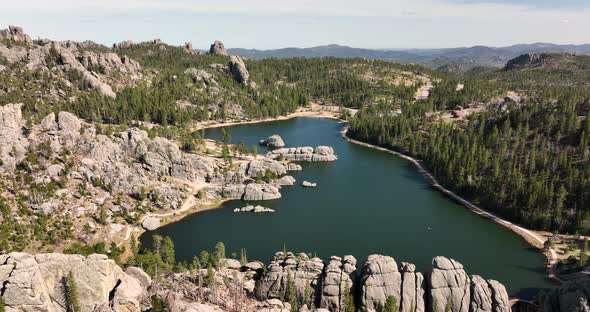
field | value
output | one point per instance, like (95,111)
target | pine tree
(219,252)
(254,150)
(210,276)
(291,292)
(168,254)
(71,293)
(349,305)
(390,304)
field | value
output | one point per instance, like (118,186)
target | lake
(366,202)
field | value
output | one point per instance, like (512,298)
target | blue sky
(265,24)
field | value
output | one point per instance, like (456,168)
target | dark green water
(366,202)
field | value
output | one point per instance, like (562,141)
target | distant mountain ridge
(463,57)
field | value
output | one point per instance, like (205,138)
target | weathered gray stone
(448,286)
(571,296)
(379,280)
(15,33)
(238,69)
(35,283)
(217,48)
(308,184)
(273,141)
(260,166)
(500,299)
(199,75)
(293,167)
(481,295)
(285,181)
(13,144)
(304,273)
(338,278)
(252,208)
(255,191)
(320,153)
(150,223)
(412,289)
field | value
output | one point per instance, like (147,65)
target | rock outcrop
(238,69)
(285,181)
(525,60)
(255,191)
(128,162)
(150,223)
(199,75)
(36,283)
(338,280)
(217,48)
(252,208)
(488,296)
(380,279)
(13,144)
(412,292)
(289,270)
(293,167)
(448,286)
(308,184)
(571,296)
(260,166)
(320,153)
(273,141)
(104,72)
(15,33)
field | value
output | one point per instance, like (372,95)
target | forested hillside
(516,140)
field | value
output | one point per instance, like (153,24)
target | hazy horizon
(259,24)
(108,44)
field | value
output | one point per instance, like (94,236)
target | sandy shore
(531,237)
(315,110)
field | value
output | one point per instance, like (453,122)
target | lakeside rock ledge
(306,153)
(255,209)
(273,141)
(308,184)
(150,223)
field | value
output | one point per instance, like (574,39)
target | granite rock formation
(571,296)
(273,141)
(104,72)
(320,153)
(217,48)
(36,283)
(238,69)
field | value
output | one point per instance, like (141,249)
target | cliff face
(571,296)
(38,283)
(446,288)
